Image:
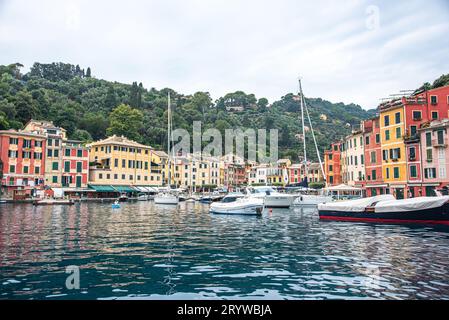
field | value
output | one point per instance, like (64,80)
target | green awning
(102,188)
(124,189)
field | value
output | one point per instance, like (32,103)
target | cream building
(123,162)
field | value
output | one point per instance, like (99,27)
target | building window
(398,133)
(430,173)
(367,141)
(79,167)
(377,138)
(396,172)
(25,169)
(100,176)
(417,115)
(27,143)
(387,173)
(54,166)
(440,135)
(37,170)
(67,166)
(38,144)
(50,153)
(373,156)
(429,155)
(387,120)
(13,141)
(123,163)
(79,153)
(374,175)
(395,154)
(434,115)
(55,179)
(115,176)
(412,130)
(442,172)
(362,160)
(123,177)
(397,117)
(433,100)
(412,153)
(56,153)
(387,135)
(413,172)
(428,139)
(108,176)
(130,177)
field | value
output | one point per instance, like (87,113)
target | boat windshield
(230,199)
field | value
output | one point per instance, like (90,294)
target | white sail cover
(358,205)
(413,204)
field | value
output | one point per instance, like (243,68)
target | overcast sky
(351,51)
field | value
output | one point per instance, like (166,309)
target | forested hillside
(91,109)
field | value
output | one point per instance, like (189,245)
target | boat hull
(252,210)
(278,201)
(166,200)
(310,200)
(439,215)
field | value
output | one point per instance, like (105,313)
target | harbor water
(148,251)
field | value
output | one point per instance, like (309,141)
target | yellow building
(118,161)
(192,172)
(392,130)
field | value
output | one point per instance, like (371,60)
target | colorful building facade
(23,158)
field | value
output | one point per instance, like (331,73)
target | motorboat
(166,198)
(386,209)
(238,205)
(123,197)
(273,199)
(53,202)
(142,197)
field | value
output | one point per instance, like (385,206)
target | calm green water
(151,252)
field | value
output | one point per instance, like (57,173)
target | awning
(102,188)
(124,189)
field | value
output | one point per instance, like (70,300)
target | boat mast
(303,129)
(168,139)
(314,138)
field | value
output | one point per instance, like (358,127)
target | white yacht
(238,205)
(273,199)
(166,198)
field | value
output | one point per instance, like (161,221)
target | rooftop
(116,140)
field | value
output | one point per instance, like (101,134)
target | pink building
(435,159)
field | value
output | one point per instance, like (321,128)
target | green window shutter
(79,167)
(54,166)
(67,166)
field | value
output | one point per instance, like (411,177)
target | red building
(420,109)
(295,173)
(23,158)
(332,165)
(373,157)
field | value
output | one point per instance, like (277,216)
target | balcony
(411,138)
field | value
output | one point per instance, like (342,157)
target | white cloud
(221,46)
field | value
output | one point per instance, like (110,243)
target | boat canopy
(342,187)
(102,188)
(358,205)
(413,204)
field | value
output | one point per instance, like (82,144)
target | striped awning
(102,188)
(124,188)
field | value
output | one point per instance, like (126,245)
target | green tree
(88,73)
(125,121)
(25,106)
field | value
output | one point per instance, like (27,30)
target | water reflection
(145,251)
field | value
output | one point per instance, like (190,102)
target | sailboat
(168,197)
(304,198)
